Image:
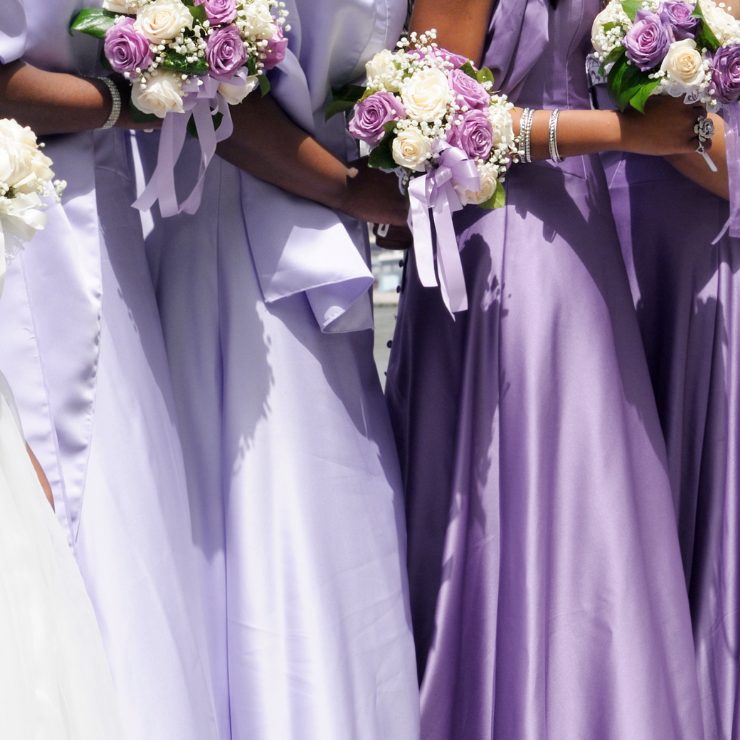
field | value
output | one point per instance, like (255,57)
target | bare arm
(43,480)
(268,145)
(57,103)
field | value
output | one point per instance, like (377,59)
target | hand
(372,195)
(396,237)
(666,127)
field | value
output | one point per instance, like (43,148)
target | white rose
(11,129)
(234,94)
(425,95)
(382,72)
(119,6)
(488,184)
(683,64)
(723,25)
(411,149)
(23,168)
(256,21)
(163,20)
(162,94)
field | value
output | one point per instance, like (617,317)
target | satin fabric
(546,584)
(83,349)
(294,484)
(55,682)
(685,292)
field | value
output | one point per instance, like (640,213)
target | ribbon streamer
(436,191)
(202,102)
(731,116)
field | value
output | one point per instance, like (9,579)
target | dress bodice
(538,54)
(38,30)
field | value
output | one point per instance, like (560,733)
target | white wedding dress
(55,683)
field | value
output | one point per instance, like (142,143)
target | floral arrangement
(160,45)
(670,47)
(25,178)
(432,117)
(187,59)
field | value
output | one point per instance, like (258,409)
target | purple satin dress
(547,591)
(684,289)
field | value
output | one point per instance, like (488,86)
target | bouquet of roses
(25,178)
(432,117)
(187,58)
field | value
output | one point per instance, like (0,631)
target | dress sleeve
(12,31)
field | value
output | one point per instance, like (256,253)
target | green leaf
(138,116)
(344,98)
(469,70)
(337,106)
(93,22)
(251,65)
(639,100)
(608,26)
(705,38)
(264,85)
(104,61)
(382,156)
(625,82)
(178,63)
(631,7)
(613,56)
(497,200)
(193,130)
(199,13)
(368,92)
(484,75)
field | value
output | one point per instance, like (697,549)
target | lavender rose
(455,60)
(648,40)
(677,15)
(225,53)
(726,74)
(274,52)
(220,12)
(372,114)
(473,94)
(472,132)
(125,49)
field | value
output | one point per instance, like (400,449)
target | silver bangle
(115,111)
(552,137)
(525,132)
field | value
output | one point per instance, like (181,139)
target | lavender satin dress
(82,346)
(686,294)
(293,475)
(546,585)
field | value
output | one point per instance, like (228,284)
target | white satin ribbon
(436,190)
(202,102)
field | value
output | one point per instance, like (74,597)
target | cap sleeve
(12,31)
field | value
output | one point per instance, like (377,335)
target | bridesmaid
(686,290)
(546,585)
(293,474)
(82,347)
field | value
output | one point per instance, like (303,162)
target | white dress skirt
(293,474)
(55,683)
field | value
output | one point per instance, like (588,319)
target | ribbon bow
(436,190)
(202,101)
(20,219)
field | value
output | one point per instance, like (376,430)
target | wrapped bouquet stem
(432,117)
(187,59)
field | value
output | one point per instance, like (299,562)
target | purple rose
(372,114)
(125,49)
(225,53)
(472,132)
(648,40)
(726,74)
(677,15)
(220,12)
(472,93)
(274,52)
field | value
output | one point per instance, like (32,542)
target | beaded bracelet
(525,132)
(115,111)
(552,137)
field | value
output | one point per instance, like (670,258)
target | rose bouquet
(673,47)
(432,117)
(25,178)
(187,58)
